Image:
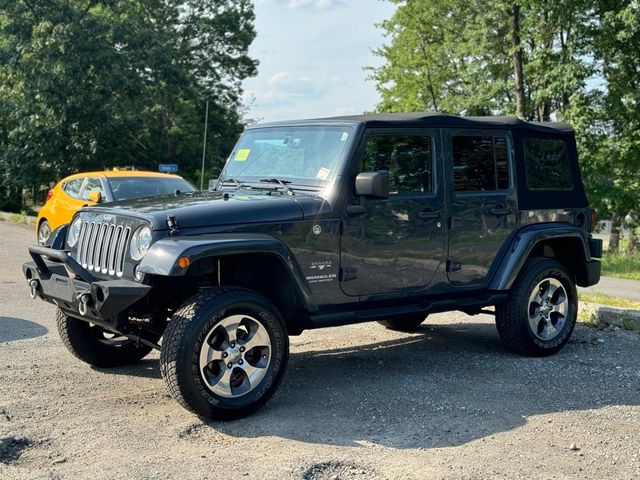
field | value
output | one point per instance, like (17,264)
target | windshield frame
(297,183)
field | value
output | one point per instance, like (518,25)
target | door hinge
(453,266)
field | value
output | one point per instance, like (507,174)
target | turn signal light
(49,195)
(593,221)
(184,262)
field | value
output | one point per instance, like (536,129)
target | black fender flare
(162,257)
(523,243)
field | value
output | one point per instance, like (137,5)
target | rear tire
(224,353)
(96,346)
(44,232)
(540,312)
(408,325)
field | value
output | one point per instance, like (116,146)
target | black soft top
(433,120)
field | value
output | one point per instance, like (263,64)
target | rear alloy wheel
(224,353)
(540,312)
(44,232)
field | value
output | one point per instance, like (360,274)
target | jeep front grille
(102,247)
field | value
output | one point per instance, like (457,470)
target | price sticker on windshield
(242,154)
(323,173)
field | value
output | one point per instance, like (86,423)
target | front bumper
(57,278)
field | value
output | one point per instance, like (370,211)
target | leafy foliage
(571,60)
(89,84)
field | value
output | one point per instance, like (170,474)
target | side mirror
(373,184)
(95,196)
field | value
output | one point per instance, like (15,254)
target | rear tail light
(49,195)
(593,220)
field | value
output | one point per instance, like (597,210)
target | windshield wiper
(282,183)
(235,181)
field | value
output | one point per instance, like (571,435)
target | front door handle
(356,209)
(426,214)
(500,210)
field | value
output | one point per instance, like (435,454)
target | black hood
(204,209)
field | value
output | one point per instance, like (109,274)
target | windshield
(306,155)
(125,188)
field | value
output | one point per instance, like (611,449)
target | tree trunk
(614,239)
(518,69)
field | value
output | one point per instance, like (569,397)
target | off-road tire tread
(511,332)
(84,352)
(172,339)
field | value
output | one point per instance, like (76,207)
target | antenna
(204,145)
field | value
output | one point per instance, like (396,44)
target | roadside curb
(17,218)
(595,313)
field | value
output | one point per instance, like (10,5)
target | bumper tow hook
(34,286)
(85,299)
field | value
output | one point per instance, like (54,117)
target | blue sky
(312,54)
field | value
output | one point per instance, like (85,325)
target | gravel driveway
(358,402)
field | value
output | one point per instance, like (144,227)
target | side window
(73,187)
(480,163)
(408,158)
(92,184)
(547,163)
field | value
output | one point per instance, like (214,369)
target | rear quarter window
(547,164)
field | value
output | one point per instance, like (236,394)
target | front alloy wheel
(235,355)
(224,352)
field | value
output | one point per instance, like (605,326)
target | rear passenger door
(483,205)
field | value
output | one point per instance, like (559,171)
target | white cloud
(300,4)
(319,4)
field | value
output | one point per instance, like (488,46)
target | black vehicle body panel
(383,262)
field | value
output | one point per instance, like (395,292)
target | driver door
(396,244)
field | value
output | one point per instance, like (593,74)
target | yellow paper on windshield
(242,154)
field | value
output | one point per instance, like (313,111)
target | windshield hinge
(172,223)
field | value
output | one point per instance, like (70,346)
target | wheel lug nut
(225,355)
(233,345)
(242,349)
(229,364)
(240,362)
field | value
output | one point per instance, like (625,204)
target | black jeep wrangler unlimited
(322,223)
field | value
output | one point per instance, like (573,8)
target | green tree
(484,57)
(94,84)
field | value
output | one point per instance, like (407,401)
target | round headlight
(74,232)
(140,243)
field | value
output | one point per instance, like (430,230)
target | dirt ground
(358,402)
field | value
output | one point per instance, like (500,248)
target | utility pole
(204,144)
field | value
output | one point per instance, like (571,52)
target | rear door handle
(426,214)
(500,210)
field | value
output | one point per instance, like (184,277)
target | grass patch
(20,218)
(621,266)
(589,316)
(602,299)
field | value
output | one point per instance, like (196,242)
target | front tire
(96,346)
(541,309)
(224,353)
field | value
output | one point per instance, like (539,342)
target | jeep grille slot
(102,247)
